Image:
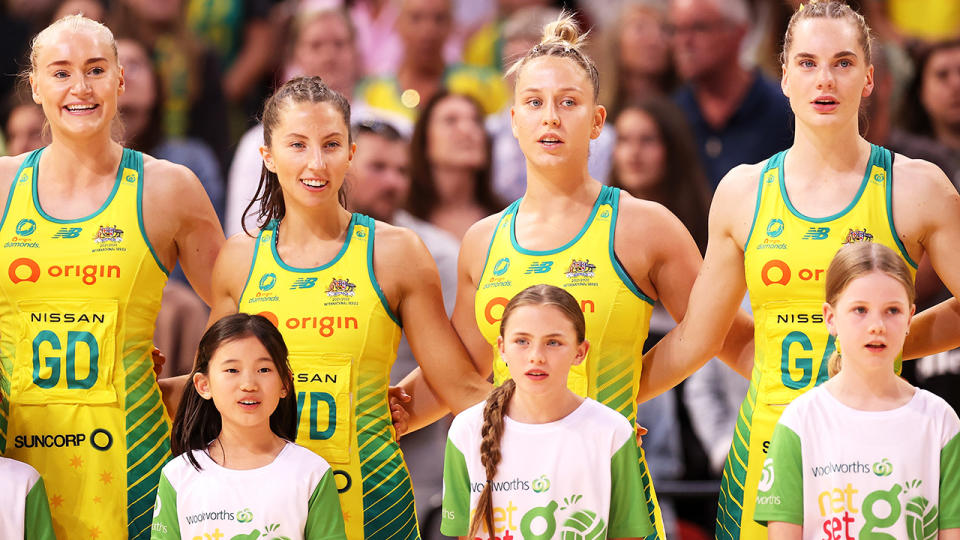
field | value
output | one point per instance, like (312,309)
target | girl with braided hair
(583,478)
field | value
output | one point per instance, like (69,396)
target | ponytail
(492,432)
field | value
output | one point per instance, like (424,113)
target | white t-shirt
(577,475)
(294,497)
(846,473)
(24,510)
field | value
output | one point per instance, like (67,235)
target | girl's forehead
(824,36)
(552,72)
(74,45)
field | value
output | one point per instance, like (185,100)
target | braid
(492,432)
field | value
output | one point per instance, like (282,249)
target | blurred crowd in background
(691,88)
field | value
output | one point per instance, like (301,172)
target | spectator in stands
(932,103)
(450,165)
(425,26)
(91,9)
(194,104)
(378,185)
(655,159)
(520,33)
(141,111)
(483,48)
(242,35)
(738,115)
(628,75)
(23,124)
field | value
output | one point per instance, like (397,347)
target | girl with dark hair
(450,164)
(914,490)
(585,479)
(339,285)
(233,438)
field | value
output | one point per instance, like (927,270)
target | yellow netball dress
(342,337)
(617,313)
(785,259)
(79,301)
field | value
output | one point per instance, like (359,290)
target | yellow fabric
(484,85)
(926,19)
(482,49)
(342,339)
(785,260)
(79,301)
(617,314)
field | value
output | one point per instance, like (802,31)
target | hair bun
(563,30)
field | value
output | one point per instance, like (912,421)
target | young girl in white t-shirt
(536,461)
(864,455)
(237,474)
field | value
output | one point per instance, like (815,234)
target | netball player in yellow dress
(775,226)
(339,285)
(615,254)
(89,231)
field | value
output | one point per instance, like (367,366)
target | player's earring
(837,343)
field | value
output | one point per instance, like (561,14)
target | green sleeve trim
(324,516)
(456,493)
(28,162)
(950,484)
(780,491)
(166,523)
(371,225)
(626,488)
(137,164)
(888,165)
(37,524)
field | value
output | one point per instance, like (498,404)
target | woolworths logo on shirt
(537,485)
(881,468)
(243,516)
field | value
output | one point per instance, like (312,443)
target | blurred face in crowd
(157,11)
(379,176)
(826,74)
(704,41)
(554,114)
(24,129)
(324,48)
(424,26)
(455,135)
(643,42)
(90,9)
(136,104)
(639,155)
(508,7)
(941,88)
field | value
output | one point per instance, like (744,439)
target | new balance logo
(304,283)
(68,232)
(817,233)
(539,267)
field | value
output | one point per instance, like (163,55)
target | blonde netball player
(775,226)
(615,254)
(89,231)
(338,285)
